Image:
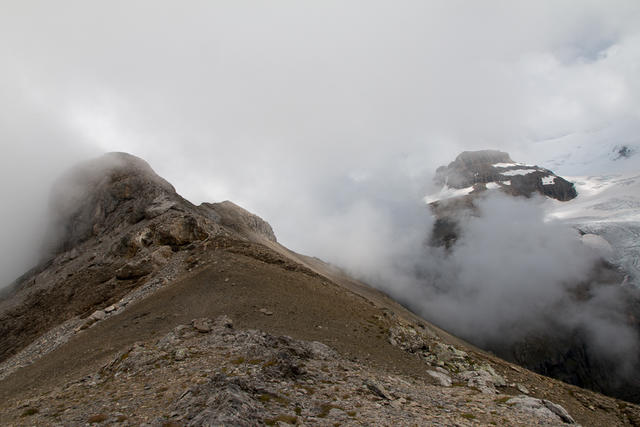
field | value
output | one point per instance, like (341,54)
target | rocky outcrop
(105,195)
(477,169)
(244,222)
(209,373)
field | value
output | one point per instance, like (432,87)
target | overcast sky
(306,113)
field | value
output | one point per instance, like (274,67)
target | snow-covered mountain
(561,306)
(605,203)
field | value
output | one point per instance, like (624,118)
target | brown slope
(233,280)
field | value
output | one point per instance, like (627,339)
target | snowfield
(607,206)
(446,193)
(548,180)
(514,172)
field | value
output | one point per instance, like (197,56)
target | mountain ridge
(124,297)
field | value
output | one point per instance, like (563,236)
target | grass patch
(502,400)
(289,419)
(468,416)
(97,418)
(264,397)
(29,411)
(268,397)
(237,360)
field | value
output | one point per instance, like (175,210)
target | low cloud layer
(283,107)
(511,275)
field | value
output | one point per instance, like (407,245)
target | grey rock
(162,255)
(224,322)
(481,379)
(222,401)
(377,388)
(541,408)
(336,413)
(180,354)
(443,379)
(202,325)
(559,411)
(321,351)
(134,270)
(158,206)
(98,315)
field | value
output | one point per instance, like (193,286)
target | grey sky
(306,113)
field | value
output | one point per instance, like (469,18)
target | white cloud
(277,105)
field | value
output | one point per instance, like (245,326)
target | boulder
(134,270)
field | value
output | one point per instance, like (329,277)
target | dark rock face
(472,167)
(231,215)
(478,168)
(622,152)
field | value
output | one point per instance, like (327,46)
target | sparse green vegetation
(269,363)
(325,408)
(265,397)
(468,416)
(289,419)
(268,397)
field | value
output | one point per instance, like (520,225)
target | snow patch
(492,185)
(548,180)
(507,165)
(446,193)
(514,172)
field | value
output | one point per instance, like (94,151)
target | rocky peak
(104,194)
(230,215)
(476,171)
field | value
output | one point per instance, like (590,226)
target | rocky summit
(149,310)
(491,169)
